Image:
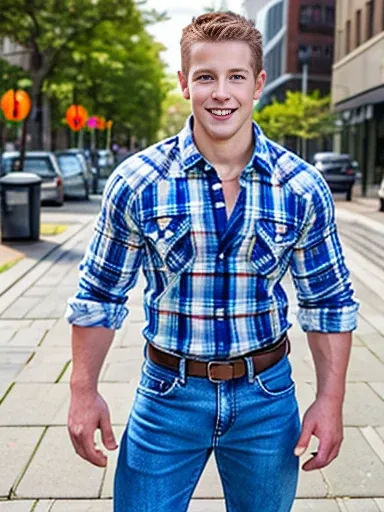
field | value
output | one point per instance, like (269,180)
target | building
(358,85)
(14,53)
(292,32)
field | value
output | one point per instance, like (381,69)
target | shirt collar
(190,156)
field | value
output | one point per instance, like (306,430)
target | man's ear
(184,85)
(260,82)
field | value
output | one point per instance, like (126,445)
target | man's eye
(238,77)
(205,78)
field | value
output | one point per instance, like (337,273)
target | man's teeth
(221,112)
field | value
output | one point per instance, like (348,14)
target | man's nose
(221,92)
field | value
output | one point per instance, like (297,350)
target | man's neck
(228,157)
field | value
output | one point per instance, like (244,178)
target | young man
(215,217)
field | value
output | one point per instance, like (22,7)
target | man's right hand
(88,412)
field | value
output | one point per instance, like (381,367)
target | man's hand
(88,412)
(323,420)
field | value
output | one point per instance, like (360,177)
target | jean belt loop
(146,350)
(250,370)
(182,370)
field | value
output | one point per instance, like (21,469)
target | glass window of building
(369,19)
(348,37)
(358,28)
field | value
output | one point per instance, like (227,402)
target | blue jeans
(251,424)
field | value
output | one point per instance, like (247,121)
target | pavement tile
(82,506)
(16,505)
(315,506)
(38,290)
(17,445)
(302,369)
(362,406)
(32,404)
(4,385)
(28,337)
(375,342)
(50,307)
(380,431)
(7,333)
(209,485)
(121,372)
(20,307)
(364,366)
(373,438)
(311,484)
(206,506)
(37,371)
(378,387)
(69,476)
(14,355)
(364,505)
(357,472)
(363,327)
(59,335)
(9,372)
(305,396)
(107,490)
(380,504)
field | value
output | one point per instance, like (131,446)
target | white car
(381,195)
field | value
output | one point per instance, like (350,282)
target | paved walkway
(39,470)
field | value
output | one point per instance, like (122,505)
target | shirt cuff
(329,320)
(86,313)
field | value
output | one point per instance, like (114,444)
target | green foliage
(97,52)
(175,111)
(306,117)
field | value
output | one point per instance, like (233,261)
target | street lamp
(304,59)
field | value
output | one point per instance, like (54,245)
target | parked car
(381,195)
(105,162)
(339,171)
(85,157)
(42,163)
(77,178)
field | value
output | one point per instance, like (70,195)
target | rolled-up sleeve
(111,264)
(322,280)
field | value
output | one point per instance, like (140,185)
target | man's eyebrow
(210,71)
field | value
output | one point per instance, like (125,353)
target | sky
(169,32)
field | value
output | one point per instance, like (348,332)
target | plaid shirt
(214,284)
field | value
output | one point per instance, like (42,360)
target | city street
(39,470)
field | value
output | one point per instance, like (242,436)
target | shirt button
(219,313)
(221,256)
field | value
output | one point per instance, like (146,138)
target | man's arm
(88,411)
(108,271)
(331,352)
(328,313)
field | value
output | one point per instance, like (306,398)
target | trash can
(20,206)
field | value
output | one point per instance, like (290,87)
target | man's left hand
(323,420)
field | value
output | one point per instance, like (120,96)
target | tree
(175,111)
(47,28)
(306,117)
(123,81)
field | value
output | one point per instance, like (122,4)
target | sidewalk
(39,470)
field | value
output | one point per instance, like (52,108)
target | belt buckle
(211,364)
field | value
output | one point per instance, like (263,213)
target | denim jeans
(251,425)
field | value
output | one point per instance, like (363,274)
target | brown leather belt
(218,371)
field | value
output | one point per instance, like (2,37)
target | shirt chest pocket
(170,242)
(270,248)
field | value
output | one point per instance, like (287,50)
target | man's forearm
(331,352)
(89,349)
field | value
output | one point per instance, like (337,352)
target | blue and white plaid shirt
(213,284)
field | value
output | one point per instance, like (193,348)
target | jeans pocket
(277,380)
(156,380)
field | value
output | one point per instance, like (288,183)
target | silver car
(75,174)
(42,163)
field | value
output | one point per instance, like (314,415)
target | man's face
(222,87)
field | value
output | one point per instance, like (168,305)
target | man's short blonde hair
(221,26)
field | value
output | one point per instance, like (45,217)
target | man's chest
(183,224)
